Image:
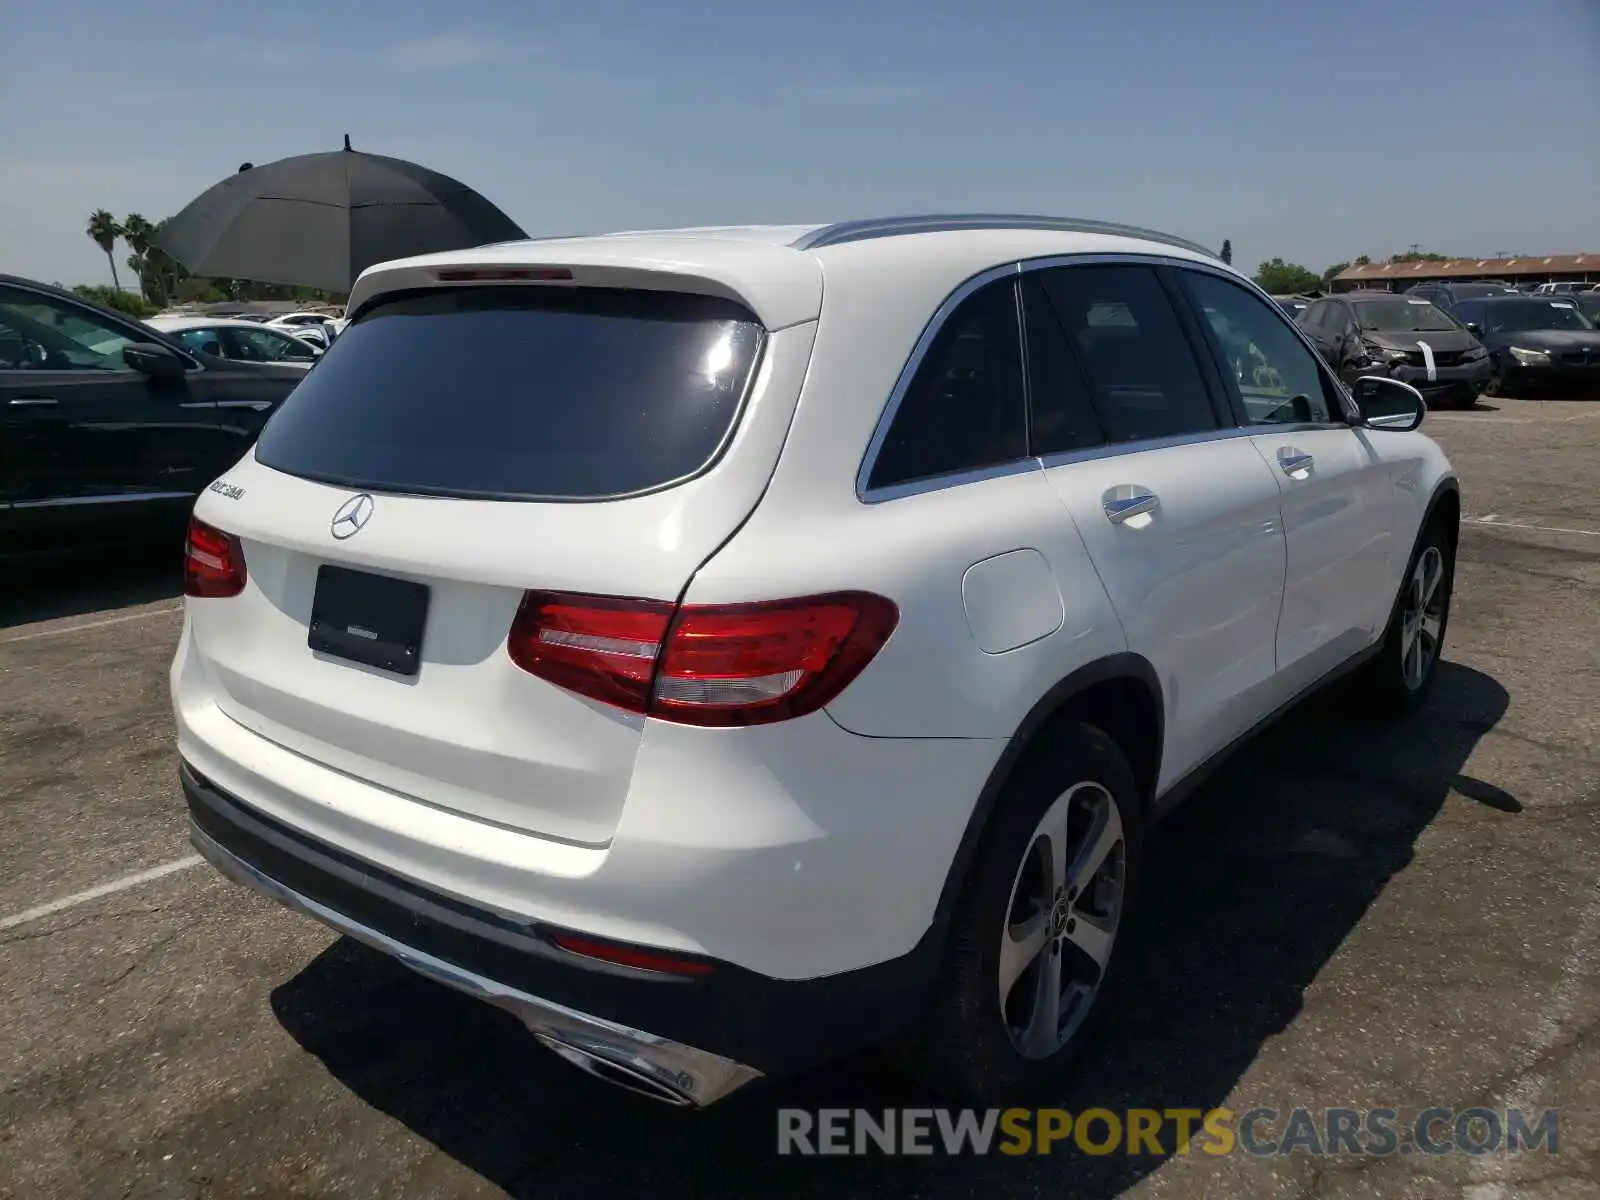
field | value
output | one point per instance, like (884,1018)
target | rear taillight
(213,562)
(737,664)
(599,646)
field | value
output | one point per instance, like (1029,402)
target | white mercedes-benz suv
(723,648)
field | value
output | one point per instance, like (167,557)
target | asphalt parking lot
(1349,915)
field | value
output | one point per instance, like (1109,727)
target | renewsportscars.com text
(1258,1132)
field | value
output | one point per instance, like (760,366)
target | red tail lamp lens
(741,664)
(213,562)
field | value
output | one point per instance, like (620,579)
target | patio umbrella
(318,220)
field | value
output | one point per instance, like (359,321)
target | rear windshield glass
(1402,316)
(520,393)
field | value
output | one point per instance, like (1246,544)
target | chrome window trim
(1063,458)
(107,498)
(897,395)
(868,495)
(939,483)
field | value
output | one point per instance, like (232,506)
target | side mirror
(1389,404)
(153,360)
(1474,329)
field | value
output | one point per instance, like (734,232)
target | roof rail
(858,231)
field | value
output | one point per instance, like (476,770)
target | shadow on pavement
(140,572)
(1249,890)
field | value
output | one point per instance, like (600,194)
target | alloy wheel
(1422,618)
(1061,922)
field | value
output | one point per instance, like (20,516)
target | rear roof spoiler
(780,287)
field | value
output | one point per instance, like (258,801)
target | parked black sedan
(1448,295)
(109,428)
(1536,343)
(1405,337)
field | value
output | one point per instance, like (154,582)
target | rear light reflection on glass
(740,664)
(213,562)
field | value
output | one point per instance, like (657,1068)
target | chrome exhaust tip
(636,1077)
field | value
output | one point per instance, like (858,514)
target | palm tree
(104,231)
(137,232)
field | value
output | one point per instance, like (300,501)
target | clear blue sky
(1311,131)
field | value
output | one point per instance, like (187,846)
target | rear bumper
(701,1030)
(655,1066)
(797,851)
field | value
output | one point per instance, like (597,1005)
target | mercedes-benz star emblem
(353,514)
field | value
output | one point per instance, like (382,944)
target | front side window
(263,345)
(1140,367)
(1273,373)
(964,408)
(43,333)
(207,341)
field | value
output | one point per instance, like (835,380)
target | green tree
(115,298)
(158,273)
(1334,272)
(1227,250)
(1419,256)
(104,231)
(1362,260)
(1279,278)
(137,232)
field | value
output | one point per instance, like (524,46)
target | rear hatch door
(452,450)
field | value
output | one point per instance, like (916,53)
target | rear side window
(1141,368)
(964,408)
(521,393)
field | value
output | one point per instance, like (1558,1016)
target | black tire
(1384,686)
(962,1046)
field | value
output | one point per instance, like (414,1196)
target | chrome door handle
(1294,461)
(31,401)
(1125,500)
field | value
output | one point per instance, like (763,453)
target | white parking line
(1558,1010)
(104,889)
(65,629)
(1494,522)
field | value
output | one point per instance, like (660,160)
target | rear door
(1338,508)
(459,448)
(1178,511)
(93,446)
(1318,324)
